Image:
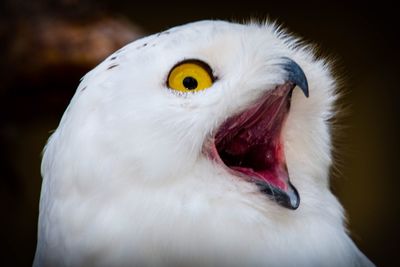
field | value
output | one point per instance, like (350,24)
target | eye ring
(190,75)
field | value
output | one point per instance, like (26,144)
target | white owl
(177,151)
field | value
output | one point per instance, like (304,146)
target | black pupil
(190,83)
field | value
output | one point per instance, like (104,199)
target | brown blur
(45,49)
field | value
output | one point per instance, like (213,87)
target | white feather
(125,182)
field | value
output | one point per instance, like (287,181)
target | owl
(208,144)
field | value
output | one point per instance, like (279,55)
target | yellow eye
(190,76)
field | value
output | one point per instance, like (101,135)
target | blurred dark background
(46,46)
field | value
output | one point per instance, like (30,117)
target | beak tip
(304,88)
(294,197)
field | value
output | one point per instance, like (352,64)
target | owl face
(223,93)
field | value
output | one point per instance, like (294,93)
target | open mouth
(250,144)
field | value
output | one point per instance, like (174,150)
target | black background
(361,37)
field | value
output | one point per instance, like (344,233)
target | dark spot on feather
(161,33)
(83,89)
(112,66)
(143,45)
(113,58)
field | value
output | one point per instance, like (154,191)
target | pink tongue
(274,172)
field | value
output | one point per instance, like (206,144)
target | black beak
(295,74)
(289,199)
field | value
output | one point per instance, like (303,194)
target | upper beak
(295,74)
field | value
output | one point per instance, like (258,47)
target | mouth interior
(249,144)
